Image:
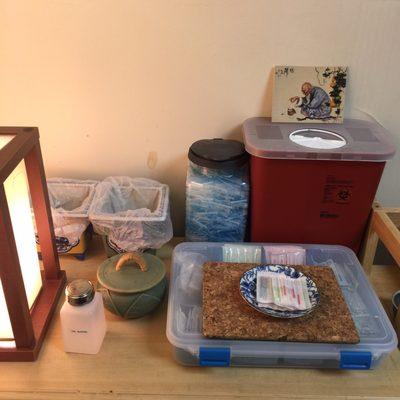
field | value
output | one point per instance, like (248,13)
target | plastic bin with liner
(314,183)
(70,200)
(132,214)
(191,348)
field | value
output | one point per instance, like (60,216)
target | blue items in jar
(217,191)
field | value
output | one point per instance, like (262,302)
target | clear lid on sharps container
(354,140)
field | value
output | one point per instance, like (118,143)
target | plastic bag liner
(132,212)
(70,201)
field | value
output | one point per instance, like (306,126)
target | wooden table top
(136,361)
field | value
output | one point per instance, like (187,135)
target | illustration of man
(315,104)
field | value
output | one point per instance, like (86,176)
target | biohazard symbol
(344,194)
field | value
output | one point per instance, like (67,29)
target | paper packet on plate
(281,292)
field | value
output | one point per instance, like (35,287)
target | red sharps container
(314,183)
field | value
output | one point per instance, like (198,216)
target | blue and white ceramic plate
(248,287)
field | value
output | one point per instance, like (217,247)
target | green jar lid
(131,272)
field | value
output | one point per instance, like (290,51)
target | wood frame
(383,225)
(29,326)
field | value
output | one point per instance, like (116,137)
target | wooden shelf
(383,225)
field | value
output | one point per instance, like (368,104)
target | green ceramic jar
(132,284)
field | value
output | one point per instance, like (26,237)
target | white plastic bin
(70,200)
(132,213)
(184,321)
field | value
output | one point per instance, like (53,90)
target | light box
(28,296)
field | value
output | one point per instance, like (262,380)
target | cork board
(227,315)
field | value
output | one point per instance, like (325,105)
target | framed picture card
(309,94)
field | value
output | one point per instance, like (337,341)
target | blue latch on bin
(214,356)
(355,359)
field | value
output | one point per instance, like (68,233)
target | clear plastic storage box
(184,322)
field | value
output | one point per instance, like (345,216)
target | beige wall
(124,86)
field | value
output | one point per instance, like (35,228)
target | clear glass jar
(217,191)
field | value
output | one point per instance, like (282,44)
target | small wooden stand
(384,225)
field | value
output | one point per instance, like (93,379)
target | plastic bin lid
(354,140)
(218,153)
